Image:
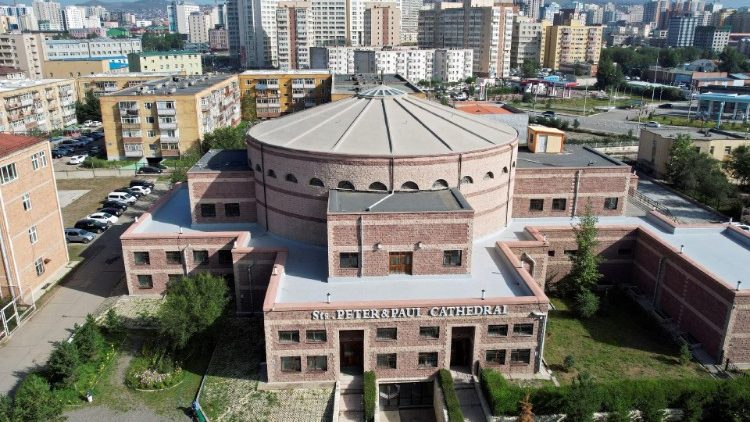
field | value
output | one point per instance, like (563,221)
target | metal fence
(12,314)
(654,205)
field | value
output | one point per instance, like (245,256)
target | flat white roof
(286,72)
(14,84)
(128,75)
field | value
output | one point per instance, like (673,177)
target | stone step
(351,416)
(350,402)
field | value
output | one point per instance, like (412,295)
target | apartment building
(382,25)
(681,31)
(293,34)
(218,39)
(410,19)
(527,41)
(166,61)
(711,38)
(178,13)
(40,104)
(49,15)
(169,116)
(105,83)
(77,68)
(281,92)
(199,24)
(24,51)
(452,65)
(573,43)
(34,251)
(91,49)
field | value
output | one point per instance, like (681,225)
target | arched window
(409,186)
(489,175)
(290,178)
(378,186)
(271,173)
(440,184)
(258,168)
(316,182)
(467,180)
(505,170)
(345,184)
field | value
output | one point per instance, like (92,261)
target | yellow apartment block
(105,83)
(77,68)
(574,43)
(41,104)
(166,61)
(280,92)
(169,116)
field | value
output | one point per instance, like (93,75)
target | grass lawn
(75,250)
(98,187)
(683,121)
(572,105)
(623,343)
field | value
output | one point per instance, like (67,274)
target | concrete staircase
(471,406)
(350,398)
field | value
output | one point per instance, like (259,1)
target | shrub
(369,395)
(685,354)
(6,408)
(62,364)
(586,304)
(114,323)
(35,402)
(569,363)
(88,339)
(576,123)
(582,400)
(527,97)
(154,368)
(503,398)
(451,399)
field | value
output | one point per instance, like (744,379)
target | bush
(569,363)
(6,408)
(685,354)
(62,364)
(583,400)
(35,402)
(89,341)
(586,304)
(369,395)
(153,369)
(503,398)
(527,97)
(576,123)
(114,323)
(449,393)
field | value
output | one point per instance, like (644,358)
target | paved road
(90,284)
(681,208)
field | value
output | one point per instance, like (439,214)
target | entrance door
(399,262)
(351,351)
(462,342)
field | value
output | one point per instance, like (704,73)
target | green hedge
(449,392)
(369,395)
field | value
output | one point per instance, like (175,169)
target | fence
(650,203)
(12,314)
(91,173)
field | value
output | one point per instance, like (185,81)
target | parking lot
(63,151)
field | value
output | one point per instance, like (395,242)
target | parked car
(121,196)
(115,204)
(548,113)
(141,182)
(653,124)
(112,210)
(149,170)
(135,193)
(91,225)
(666,105)
(77,159)
(78,235)
(60,152)
(143,190)
(103,217)
(95,150)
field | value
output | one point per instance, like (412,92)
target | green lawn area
(570,105)
(75,250)
(623,343)
(683,121)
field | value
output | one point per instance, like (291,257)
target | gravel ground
(99,413)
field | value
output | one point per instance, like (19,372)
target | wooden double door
(399,262)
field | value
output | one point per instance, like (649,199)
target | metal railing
(652,204)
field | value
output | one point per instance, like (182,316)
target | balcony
(167,125)
(166,111)
(310,103)
(309,86)
(129,112)
(170,152)
(169,139)
(132,140)
(136,152)
(111,88)
(298,85)
(298,95)
(27,102)
(66,102)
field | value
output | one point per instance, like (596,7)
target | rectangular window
(497,330)
(429,332)
(208,210)
(149,119)
(386,360)
(316,336)
(225,256)
(317,363)
(232,210)
(428,360)
(39,266)
(386,334)
(8,173)
(145,281)
(523,329)
(559,204)
(551,253)
(291,364)
(624,252)
(711,150)
(727,150)
(174,257)
(200,257)
(520,356)
(610,203)
(452,258)
(349,260)
(291,336)
(536,205)
(141,258)
(495,357)
(38,160)
(26,200)
(33,237)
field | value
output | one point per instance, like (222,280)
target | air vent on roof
(172,90)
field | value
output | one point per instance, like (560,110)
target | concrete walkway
(681,208)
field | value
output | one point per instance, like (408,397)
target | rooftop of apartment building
(126,75)
(89,40)
(12,143)
(174,85)
(695,133)
(167,53)
(352,83)
(572,156)
(14,84)
(286,72)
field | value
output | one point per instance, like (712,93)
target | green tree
(35,402)
(192,306)
(161,42)
(6,409)
(732,61)
(608,74)
(584,274)
(89,108)
(586,303)
(530,68)
(679,154)
(88,340)
(226,138)
(248,110)
(62,364)
(738,164)
(582,401)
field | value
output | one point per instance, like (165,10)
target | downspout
(392,170)
(657,286)
(263,174)
(543,325)
(361,245)
(511,173)
(460,168)
(576,187)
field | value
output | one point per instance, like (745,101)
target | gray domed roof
(383,122)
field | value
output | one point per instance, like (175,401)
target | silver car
(79,235)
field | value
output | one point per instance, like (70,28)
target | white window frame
(33,235)
(26,201)
(39,266)
(8,173)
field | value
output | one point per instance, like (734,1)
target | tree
(6,408)
(584,274)
(738,164)
(62,364)
(248,109)
(581,402)
(685,354)
(608,74)
(226,138)
(191,307)
(732,61)
(88,340)
(586,303)
(569,363)
(161,42)
(89,109)
(530,68)
(679,154)
(35,402)
(526,414)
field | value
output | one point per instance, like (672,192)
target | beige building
(44,104)
(654,145)
(382,25)
(77,68)
(105,83)
(34,252)
(24,51)
(294,34)
(574,43)
(527,41)
(198,25)
(169,116)
(545,139)
(166,61)
(281,92)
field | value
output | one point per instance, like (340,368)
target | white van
(121,196)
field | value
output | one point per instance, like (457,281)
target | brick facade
(219,189)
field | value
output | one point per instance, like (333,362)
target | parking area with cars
(73,150)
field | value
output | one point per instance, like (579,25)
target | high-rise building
(410,19)
(73,17)
(49,15)
(382,24)
(739,21)
(198,25)
(527,41)
(219,14)
(571,44)
(252,32)
(23,51)
(681,31)
(331,27)
(532,8)
(293,34)
(711,38)
(178,13)
(218,39)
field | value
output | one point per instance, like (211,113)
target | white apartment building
(44,104)
(198,25)
(73,17)
(23,51)
(20,15)
(88,49)
(178,13)
(527,41)
(330,26)
(49,13)
(409,19)
(453,65)
(293,34)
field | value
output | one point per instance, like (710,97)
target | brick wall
(220,188)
